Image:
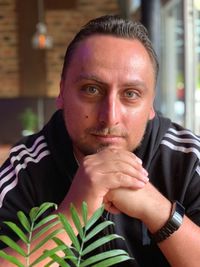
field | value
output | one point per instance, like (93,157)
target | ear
(152,113)
(59,99)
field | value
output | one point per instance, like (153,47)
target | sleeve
(16,193)
(20,180)
(192,197)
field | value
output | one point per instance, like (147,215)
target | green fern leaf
(9,258)
(47,219)
(45,229)
(72,253)
(84,212)
(17,231)
(76,220)
(47,254)
(24,221)
(12,244)
(47,238)
(69,231)
(43,208)
(59,260)
(101,241)
(33,213)
(97,229)
(112,261)
(97,214)
(67,250)
(102,256)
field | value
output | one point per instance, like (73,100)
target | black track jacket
(41,167)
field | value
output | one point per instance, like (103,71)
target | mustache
(104,131)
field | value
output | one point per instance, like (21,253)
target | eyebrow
(91,77)
(95,78)
(136,83)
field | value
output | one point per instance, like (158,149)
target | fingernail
(145,172)
(146,179)
(139,160)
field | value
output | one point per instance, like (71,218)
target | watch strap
(172,225)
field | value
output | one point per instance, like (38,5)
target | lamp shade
(41,40)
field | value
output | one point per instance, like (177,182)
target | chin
(114,146)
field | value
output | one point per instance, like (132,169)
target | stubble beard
(85,146)
(88,148)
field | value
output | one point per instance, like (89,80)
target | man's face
(108,94)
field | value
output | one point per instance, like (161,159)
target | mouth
(111,139)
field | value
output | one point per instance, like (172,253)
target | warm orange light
(41,41)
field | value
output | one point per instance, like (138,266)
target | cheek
(76,120)
(136,123)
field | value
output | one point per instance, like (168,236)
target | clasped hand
(113,177)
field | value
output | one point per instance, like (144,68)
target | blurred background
(34,35)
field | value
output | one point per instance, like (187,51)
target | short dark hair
(116,26)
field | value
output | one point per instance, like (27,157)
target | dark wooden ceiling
(60,4)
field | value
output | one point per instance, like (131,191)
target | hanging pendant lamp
(41,39)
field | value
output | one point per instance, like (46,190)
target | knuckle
(121,179)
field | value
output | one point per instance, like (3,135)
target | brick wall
(61,24)
(9,84)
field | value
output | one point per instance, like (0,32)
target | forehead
(114,55)
(100,44)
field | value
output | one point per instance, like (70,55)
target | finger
(130,182)
(133,171)
(119,155)
(121,180)
(122,170)
(123,160)
(114,159)
(111,208)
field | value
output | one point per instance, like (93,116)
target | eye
(131,94)
(91,90)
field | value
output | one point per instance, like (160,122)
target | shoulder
(29,149)
(25,154)
(180,139)
(182,142)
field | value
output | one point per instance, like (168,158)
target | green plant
(73,253)
(29,120)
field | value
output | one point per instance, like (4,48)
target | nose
(109,111)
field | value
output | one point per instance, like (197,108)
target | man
(106,144)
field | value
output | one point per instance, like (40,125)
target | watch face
(177,219)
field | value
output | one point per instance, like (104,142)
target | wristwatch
(172,225)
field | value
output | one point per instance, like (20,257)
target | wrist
(156,209)
(173,223)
